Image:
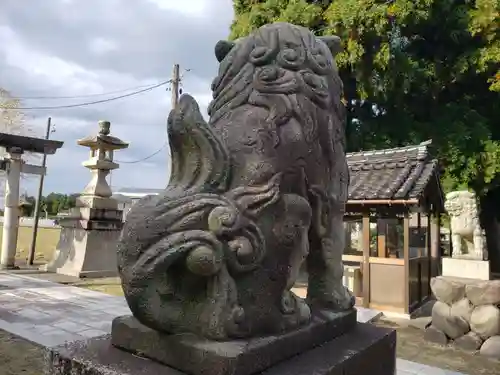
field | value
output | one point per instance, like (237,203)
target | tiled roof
(397,173)
(391,174)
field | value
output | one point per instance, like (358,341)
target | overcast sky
(76,48)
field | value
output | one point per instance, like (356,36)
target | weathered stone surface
(195,355)
(485,321)
(465,268)
(491,348)
(435,335)
(452,326)
(252,194)
(462,308)
(447,291)
(484,293)
(366,350)
(471,341)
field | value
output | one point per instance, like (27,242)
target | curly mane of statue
(253,194)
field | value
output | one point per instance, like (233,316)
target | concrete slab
(51,314)
(368,315)
(411,368)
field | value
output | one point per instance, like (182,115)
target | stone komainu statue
(253,193)
(465,226)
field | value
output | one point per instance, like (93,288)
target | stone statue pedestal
(364,350)
(87,243)
(199,356)
(468,268)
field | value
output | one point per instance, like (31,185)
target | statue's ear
(222,48)
(333,43)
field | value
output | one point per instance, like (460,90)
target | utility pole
(36,215)
(176,79)
(174,88)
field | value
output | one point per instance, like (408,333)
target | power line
(52,97)
(144,158)
(79,96)
(92,102)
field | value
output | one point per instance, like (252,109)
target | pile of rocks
(466,313)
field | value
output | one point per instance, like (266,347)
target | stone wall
(466,314)
(28,222)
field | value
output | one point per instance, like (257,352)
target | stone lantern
(97,194)
(88,235)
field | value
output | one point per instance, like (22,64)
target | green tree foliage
(413,70)
(27,205)
(55,203)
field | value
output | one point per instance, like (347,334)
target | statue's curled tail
(193,237)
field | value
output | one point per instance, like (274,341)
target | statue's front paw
(339,299)
(295,310)
(304,311)
(346,299)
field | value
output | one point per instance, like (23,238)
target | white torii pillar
(16,145)
(11,213)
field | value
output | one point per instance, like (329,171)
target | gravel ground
(18,356)
(412,347)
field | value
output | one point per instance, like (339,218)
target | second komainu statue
(254,193)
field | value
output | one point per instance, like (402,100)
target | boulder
(453,326)
(485,321)
(471,341)
(491,348)
(435,335)
(447,291)
(462,308)
(484,292)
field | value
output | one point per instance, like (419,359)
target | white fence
(28,222)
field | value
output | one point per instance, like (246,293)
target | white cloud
(193,8)
(102,45)
(47,70)
(66,48)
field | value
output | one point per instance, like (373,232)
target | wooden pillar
(406,253)
(435,245)
(419,231)
(366,259)
(428,261)
(381,238)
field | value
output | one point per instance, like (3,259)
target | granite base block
(365,350)
(198,356)
(475,269)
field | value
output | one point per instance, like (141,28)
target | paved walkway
(51,314)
